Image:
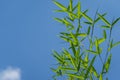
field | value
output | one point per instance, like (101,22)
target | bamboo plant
(86,48)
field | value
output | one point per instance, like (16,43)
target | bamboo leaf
(60,5)
(116,44)
(86,17)
(113,45)
(93,52)
(107,65)
(77,76)
(89,23)
(58,57)
(65,38)
(59,20)
(101,40)
(71,58)
(104,34)
(74,37)
(95,72)
(68,69)
(82,34)
(115,21)
(71,5)
(106,27)
(73,49)
(79,9)
(99,17)
(101,77)
(88,31)
(59,11)
(91,64)
(104,20)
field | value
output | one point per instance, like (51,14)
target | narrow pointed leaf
(107,65)
(91,64)
(99,17)
(104,34)
(104,20)
(82,34)
(86,17)
(106,27)
(76,76)
(79,9)
(101,77)
(88,31)
(115,21)
(93,52)
(73,49)
(116,44)
(59,20)
(59,5)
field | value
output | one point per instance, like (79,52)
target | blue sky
(28,34)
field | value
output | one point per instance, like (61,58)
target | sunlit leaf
(101,77)
(82,34)
(60,5)
(107,65)
(77,76)
(91,63)
(104,20)
(71,58)
(86,17)
(99,17)
(79,9)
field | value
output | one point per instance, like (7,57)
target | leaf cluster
(78,61)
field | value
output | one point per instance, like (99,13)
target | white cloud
(10,73)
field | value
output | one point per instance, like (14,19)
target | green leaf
(93,52)
(107,65)
(88,31)
(68,69)
(99,17)
(75,7)
(101,40)
(104,20)
(59,11)
(73,37)
(95,72)
(71,58)
(89,23)
(113,45)
(60,5)
(65,38)
(82,34)
(58,57)
(73,48)
(79,9)
(71,5)
(87,17)
(89,68)
(116,44)
(59,20)
(106,27)
(115,21)
(77,76)
(101,77)
(104,34)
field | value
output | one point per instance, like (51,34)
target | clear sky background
(28,34)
